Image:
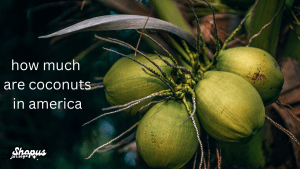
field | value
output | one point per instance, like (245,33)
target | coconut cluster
(228,102)
(162,139)
(225,96)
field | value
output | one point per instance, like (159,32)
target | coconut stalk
(263,14)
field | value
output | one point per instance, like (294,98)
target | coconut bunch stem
(201,68)
(200,37)
(189,53)
(177,67)
(200,40)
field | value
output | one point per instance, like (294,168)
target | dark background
(58,131)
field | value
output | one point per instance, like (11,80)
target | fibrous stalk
(200,38)
(288,133)
(175,67)
(124,106)
(164,49)
(111,141)
(120,143)
(162,81)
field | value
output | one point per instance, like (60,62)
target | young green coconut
(162,140)
(132,83)
(228,107)
(257,67)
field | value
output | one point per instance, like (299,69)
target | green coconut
(126,81)
(229,108)
(162,140)
(256,66)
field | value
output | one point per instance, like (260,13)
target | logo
(20,153)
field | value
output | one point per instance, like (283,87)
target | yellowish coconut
(162,140)
(126,81)
(229,108)
(256,66)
